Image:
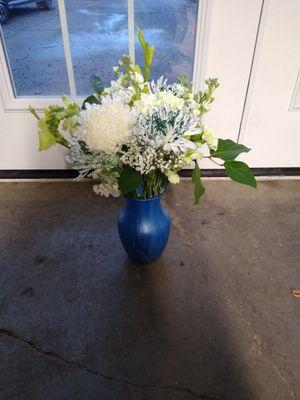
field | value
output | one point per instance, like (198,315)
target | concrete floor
(213,319)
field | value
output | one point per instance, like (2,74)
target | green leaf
(228,150)
(240,172)
(129,179)
(46,138)
(90,100)
(194,138)
(199,189)
(97,84)
(148,54)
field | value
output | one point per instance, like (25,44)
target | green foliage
(199,189)
(186,84)
(48,125)
(92,99)
(148,54)
(139,186)
(197,138)
(204,99)
(152,185)
(240,172)
(97,84)
(46,138)
(184,81)
(129,180)
(130,71)
(228,150)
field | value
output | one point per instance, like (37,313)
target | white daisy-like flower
(105,127)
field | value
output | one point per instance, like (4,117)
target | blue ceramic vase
(144,227)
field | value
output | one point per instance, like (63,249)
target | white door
(271,123)
(45,54)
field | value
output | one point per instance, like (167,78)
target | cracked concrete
(213,319)
(36,347)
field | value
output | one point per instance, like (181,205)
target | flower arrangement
(134,136)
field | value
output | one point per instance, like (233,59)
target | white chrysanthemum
(105,127)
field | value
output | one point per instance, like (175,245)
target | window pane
(171,26)
(98,33)
(34,49)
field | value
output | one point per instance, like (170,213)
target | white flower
(197,155)
(172,177)
(146,102)
(139,78)
(117,91)
(171,100)
(106,190)
(180,145)
(177,89)
(105,127)
(210,137)
(149,101)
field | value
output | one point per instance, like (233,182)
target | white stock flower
(149,101)
(210,137)
(197,155)
(105,190)
(105,127)
(172,177)
(139,78)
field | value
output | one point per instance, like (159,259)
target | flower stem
(211,159)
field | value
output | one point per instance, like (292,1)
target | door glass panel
(98,33)
(34,50)
(171,26)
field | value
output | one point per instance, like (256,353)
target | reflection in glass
(171,26)
(98,32)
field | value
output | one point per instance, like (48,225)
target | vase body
(144,227)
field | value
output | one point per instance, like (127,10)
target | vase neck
(144,204)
